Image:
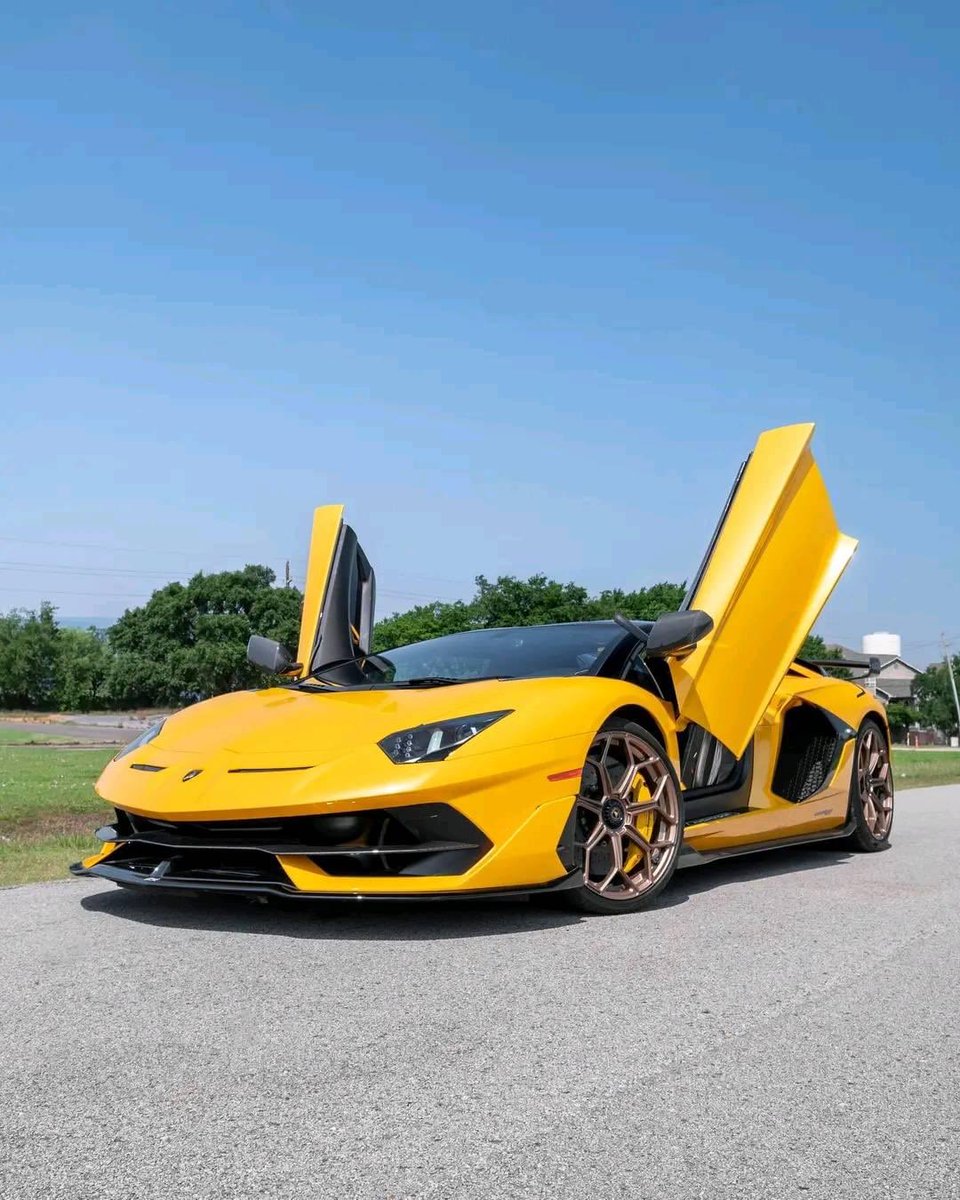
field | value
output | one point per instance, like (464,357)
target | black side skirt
(692,858)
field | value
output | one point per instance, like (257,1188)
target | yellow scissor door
(774,560)
(339,594)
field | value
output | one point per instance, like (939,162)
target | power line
(207,553)
(57,591)
(381,591)
(70,569)
(48,592)
(233,550)
(951,637)
(418,596)
(74,569)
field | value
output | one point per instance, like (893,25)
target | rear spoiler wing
(870,667)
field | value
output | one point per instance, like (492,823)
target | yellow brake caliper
(644,825)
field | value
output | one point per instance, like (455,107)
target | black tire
(871,790)
(660,818)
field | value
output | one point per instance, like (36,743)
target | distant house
(895,681)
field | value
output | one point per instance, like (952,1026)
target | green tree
(511,601)
(424,622)
(29,651)
(82,669)
(901,716)
(645,605)
(189,640)
(533,601)
(935,696)
(814,647)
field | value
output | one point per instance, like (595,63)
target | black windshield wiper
(441,680)
(382,664)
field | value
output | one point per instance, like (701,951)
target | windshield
(575,649)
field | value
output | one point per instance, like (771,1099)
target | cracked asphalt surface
(785,1025)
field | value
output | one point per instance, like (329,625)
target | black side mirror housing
(270,655)
(677,633)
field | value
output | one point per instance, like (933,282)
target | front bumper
(491,824)
(426,849)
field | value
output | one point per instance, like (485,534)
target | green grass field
(49,810)
(925,768)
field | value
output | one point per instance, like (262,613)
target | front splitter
(132,879)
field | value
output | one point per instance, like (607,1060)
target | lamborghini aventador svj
(589,759)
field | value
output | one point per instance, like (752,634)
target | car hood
(285,721)
(289,749)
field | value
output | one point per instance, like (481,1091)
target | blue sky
(519,284)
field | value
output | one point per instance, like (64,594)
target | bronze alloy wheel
(874,783)
(628,819)
(871,790)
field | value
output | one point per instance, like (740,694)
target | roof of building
(856,656)
(895,689)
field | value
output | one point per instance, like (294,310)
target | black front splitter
(133,879)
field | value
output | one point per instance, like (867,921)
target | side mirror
(271,656)
(677,633)
(873,666)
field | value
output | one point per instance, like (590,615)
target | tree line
(188,641)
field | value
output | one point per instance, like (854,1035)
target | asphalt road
(781,1026)
(82,729)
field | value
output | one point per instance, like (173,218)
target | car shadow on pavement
(346,920)
(688,884)
(372,920)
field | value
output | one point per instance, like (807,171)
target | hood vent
(265,770)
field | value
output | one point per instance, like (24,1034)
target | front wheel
(871,790)
(628,820)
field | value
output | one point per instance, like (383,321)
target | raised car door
(775,558)
(339,594)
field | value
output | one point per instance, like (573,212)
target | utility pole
(950,676)
(286,574)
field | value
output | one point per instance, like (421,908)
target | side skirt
(692,858)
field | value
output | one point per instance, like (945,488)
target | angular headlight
(429,743)
(147,736)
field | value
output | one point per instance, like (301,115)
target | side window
(360,591)
(704,762)
(346,621)
(639,673)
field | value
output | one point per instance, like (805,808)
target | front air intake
(417,839)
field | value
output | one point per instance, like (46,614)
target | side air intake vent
(809,750)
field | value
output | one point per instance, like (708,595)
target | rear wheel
(628,820)
(871,790)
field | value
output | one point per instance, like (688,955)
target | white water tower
(883,645)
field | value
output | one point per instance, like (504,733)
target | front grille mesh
(419,839)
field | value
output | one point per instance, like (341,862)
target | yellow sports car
(590,759)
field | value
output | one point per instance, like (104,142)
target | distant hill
(85,622)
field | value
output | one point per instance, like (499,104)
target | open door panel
(774,560)
(339,594)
